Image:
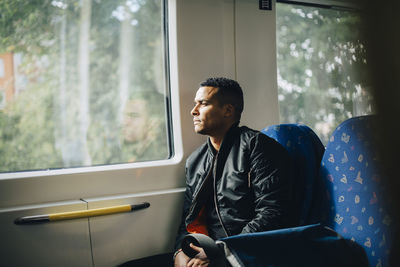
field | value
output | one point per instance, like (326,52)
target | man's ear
(229,110)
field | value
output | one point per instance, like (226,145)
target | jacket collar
(226,142)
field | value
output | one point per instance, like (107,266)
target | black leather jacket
(252,181)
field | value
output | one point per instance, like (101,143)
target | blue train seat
(305,150)
(355,194)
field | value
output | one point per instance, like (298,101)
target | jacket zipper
(215,195)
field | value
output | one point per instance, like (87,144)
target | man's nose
(194,111)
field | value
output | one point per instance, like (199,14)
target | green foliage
(25,25)
(27,140)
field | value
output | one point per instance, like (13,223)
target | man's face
(135,121)
(208,114)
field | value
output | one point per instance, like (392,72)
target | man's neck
(216,140)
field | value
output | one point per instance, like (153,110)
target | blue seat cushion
(355,194)
(311,245)
(305,150)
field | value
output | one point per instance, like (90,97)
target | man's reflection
(143,131)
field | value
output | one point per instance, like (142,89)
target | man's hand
(200,259)
(181,260)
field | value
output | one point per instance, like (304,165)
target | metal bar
(80,214)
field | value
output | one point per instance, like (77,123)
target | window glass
(90,83)
(322,74)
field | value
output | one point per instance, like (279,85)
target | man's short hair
(229,92)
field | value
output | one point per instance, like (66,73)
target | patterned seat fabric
(354,191)
(306,150)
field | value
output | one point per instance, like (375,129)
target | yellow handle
(88,213)
(80,214)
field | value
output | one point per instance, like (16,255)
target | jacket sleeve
(271,181)
(182,232)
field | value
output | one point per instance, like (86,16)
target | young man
(238,181)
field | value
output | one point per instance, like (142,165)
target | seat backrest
(354,190)
(305,150)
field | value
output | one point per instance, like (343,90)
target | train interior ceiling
(95,100)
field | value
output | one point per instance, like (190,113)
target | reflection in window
(91,84)
(322,75)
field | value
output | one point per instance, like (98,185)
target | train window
(89,83)
(321,59)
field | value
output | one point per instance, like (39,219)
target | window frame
(171,107)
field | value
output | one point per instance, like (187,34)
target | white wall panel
(205,49)
(256,63)
(122,237)
(62,243)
